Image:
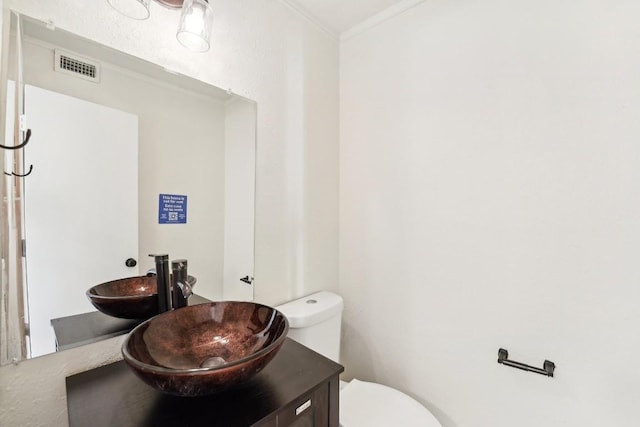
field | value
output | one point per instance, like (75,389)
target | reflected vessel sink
(129,298)
(205,348)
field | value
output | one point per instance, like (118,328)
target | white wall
(264,51)
(490,197)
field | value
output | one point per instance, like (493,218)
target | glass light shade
(136,9)
(196,21)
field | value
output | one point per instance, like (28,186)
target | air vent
(71,63)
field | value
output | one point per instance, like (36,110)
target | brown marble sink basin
(205,348)
(129,298)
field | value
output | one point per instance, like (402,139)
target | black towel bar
(547,369)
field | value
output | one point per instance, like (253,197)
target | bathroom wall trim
(379,18)
(312,19)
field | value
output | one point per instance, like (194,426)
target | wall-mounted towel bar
(547,369)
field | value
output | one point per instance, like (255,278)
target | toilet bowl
(375,405)
(315,321)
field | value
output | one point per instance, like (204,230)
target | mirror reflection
(126,160)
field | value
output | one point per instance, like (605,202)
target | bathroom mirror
(191,144)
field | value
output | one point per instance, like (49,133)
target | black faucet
(174,288)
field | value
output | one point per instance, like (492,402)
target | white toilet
(315,321)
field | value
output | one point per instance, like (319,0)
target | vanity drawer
(309,410)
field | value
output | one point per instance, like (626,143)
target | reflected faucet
(175,288)
(179,283)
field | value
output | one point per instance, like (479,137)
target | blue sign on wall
(172,209)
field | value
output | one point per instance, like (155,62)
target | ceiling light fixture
(196,20)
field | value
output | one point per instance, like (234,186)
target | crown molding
(378,18)
(311,18)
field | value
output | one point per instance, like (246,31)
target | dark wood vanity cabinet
(299,388)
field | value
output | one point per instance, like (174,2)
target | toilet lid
(375,405)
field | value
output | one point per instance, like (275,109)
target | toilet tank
(314,321)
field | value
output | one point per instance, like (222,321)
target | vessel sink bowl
(205,348)
(129,298)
